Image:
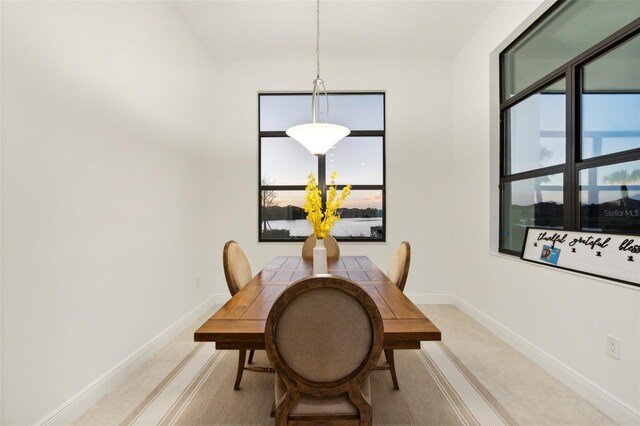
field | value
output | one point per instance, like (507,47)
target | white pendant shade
(318,137)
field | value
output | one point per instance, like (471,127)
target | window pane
(357,112)
(535,131)
(286,162)
(571,29)
(530,202)
(610,198)
(358,161)
(279,112)
(283,215)
(360,216)
(611,102)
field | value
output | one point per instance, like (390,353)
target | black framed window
(284,165)
(570,122)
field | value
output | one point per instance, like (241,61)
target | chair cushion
(312,406)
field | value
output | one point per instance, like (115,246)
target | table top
(239,324)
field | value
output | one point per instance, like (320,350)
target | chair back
(324,336)
(330,243)
(237,270)
(399,267)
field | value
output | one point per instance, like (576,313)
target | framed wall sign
(612,256)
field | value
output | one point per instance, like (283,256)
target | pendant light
(318,137)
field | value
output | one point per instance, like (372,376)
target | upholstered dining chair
(330,243)
(324,335)
(397,273)
(237,272)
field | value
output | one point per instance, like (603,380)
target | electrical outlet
(613,347)
(198,282)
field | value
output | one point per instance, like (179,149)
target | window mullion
(322,178)
(551,170)
(605,160)
(571,209)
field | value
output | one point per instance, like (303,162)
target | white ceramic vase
(319,258)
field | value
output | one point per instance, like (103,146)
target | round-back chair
(237,272)
(324,336)
(399,267)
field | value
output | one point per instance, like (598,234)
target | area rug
(435,389)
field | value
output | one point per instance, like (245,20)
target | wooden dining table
(240,323)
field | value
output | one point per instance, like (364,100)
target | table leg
(242,356)
(388,354)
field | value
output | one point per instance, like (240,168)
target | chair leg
(242,356)
(251,352)
(388,354)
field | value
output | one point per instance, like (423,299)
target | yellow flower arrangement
(322,222)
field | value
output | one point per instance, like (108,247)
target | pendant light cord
(317,38)
(318,82)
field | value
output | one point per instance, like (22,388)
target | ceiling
(361,30)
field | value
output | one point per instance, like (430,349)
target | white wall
(107,190)
(564,316)
(418,151)
(123,173)
(0,219)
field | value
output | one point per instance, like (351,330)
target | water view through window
(285,165)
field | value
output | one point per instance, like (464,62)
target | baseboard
(431,299)
(611,405)
(83,400)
